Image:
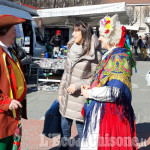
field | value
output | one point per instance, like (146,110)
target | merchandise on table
(50,63)
(52,87)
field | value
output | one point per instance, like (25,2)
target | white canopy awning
(147,20)
(91,14)
(133,28)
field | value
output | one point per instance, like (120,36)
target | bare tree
(131,14)
(147,11)
(56,3)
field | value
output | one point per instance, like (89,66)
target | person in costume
(109,116)
(82,58)
(12,85)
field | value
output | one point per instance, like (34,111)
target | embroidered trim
(122,78)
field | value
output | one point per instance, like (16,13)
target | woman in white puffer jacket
(83,56)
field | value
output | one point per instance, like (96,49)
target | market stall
(63,19)
(48,72)
(90,13)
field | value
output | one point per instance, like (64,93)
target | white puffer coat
(77,72)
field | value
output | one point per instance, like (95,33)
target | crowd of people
(95,90)
(142,42)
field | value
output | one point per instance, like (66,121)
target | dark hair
(4,30)
(87,32)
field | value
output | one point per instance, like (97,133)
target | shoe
(64,148)
(145,59)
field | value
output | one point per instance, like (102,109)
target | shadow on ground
(74,147)
(143,134)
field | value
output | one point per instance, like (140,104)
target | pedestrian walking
(148,45)
(82,58)
(135,42)
(142,43)
(109,116)
(12,86)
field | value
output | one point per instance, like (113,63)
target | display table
(45,68)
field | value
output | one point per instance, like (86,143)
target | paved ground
(39,102)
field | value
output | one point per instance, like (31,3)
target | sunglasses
(83,24)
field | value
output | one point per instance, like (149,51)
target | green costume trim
(6,143)
(129,54)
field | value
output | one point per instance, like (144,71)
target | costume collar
(3,45)
(108,52)
(5,48)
